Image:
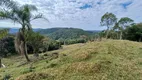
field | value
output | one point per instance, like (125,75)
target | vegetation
(3,33)
(108,20)
(7,45)
(134,32)
(95,57)
(35,40)
(109,60)
(125,28)
(22,15)
(123,23)
(64,33)
(69,35)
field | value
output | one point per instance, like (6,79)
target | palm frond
(38,16)
(29,8)
(4,14)
(10,4)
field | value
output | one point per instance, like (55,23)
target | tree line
(124,28)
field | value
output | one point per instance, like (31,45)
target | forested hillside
(65,33)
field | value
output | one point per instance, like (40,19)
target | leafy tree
(35,40)
(122,24)
(22,15)
(3,33)
(134,33)
(8,46)
(108,20)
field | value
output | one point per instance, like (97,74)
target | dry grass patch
(36,76)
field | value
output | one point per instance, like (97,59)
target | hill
(65,33)
(104,60)
(61,33)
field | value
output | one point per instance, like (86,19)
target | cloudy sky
(84,14)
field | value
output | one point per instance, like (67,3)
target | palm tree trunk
(23,45)
(25,51)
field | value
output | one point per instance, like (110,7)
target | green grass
(105,60)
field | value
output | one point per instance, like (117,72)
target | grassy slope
(106,60)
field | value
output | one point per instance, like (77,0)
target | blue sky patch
(99,2)
(72,1)
(126,4)
(86,6)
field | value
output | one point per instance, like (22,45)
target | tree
(35,40)
(3,33)
(108,20)
(122,24)
(22,15)
(8,46)
(134,32)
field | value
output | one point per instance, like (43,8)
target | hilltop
(104,60)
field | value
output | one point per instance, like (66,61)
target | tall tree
(22,15)
(123,23)
(108,20)
(3,33)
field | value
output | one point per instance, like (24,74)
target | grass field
(104,60)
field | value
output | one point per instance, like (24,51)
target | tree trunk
(64,42)
(121,34)
(25,51)
(140,39)
(23,43)
(107,32)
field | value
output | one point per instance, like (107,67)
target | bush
(6,77)
(7,45)
(47,45)
(72,41)
(50,45)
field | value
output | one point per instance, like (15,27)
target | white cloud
(67,13)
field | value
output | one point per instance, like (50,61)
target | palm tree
(22,15)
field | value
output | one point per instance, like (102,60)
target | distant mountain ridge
(66,33)
(61,33)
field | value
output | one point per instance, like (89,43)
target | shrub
(8,46)
(6,77)
(50,45)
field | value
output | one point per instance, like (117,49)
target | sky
(84,14)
